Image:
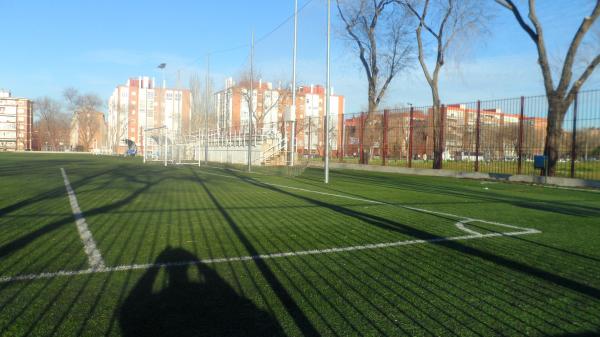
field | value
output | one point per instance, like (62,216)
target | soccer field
(106,246)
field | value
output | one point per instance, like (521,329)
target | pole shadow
(183,307)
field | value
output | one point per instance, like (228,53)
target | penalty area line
(372,246)
(462,219)
(89,245)
(416,209)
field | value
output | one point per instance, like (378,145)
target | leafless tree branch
(561,96)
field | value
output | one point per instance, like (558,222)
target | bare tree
(202,103)
(379,33)
(445,23)
(88,128)
(86,117)
(266,101)
(197,101)
(52,124)
(562,95)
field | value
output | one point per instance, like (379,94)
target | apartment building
(233,105)
(270,106)
(139,104)
(498,133)
(88,132)
(16,119)
(358,127)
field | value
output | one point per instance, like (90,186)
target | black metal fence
(494,136)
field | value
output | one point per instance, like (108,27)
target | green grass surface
(545,284)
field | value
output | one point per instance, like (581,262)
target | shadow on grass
(28,238)
(302,322)
(210,307)
(454,245)
(580,334)
(515,200)
(310,181)
(57,192)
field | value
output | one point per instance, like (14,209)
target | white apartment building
(270,105)
(139,104)
(16,119)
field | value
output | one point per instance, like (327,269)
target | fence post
(442,141)
(385,130)
(574,139)
(343,139)
(309,137)
(520,144)
(166,147)
(410,137)
(478,134)
(143,132)
(361,138)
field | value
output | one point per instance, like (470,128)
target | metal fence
(494,136)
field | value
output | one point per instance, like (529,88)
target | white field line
(232,169)
(89,245)
(472,235)
(570,188)
(219,175)
(463,218)
(461,225)
(29,277)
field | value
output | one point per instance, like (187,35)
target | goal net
(284,149)
(171,148)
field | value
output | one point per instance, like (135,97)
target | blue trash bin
(539,162)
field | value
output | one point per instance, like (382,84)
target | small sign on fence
(539,162)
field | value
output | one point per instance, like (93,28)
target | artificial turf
(545,284)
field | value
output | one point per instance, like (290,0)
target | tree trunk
(556,113)
(437,129)
(368,135)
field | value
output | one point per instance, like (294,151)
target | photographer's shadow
(209,307)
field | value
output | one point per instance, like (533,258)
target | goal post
(155,145)
(172,147)
(273,147)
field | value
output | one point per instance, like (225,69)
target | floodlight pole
(328,93)
(145,126)
(250,103)
(207,104)
(293,105)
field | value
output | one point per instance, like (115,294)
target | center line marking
(89,245)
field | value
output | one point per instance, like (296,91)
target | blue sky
(96,45)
